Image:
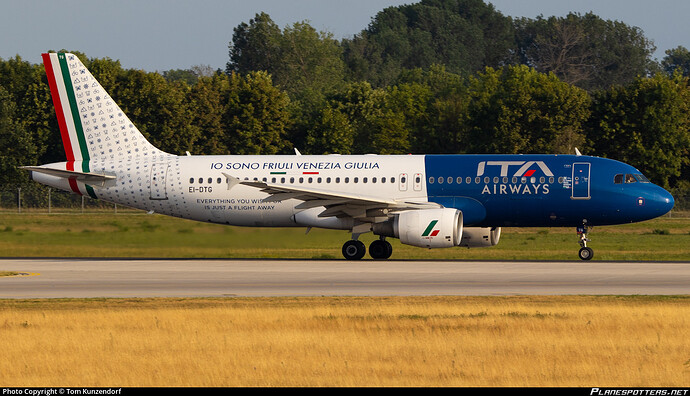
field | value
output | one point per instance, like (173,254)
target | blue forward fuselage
(543,190)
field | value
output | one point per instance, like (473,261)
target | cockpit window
(641,178)
(630,178)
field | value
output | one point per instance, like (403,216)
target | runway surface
(79,278)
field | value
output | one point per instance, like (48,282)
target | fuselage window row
(301,180)
(487,180)
(440,180)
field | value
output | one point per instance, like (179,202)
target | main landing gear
(585,253)
(380,249)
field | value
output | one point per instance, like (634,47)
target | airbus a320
(429,201)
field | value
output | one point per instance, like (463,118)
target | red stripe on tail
(58,107)
(59,113)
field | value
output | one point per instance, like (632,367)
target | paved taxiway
(75,278)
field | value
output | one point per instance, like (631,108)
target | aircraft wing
(359,206)
(92,179)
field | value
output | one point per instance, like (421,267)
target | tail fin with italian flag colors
(93,127)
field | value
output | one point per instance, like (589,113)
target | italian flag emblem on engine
(428,231)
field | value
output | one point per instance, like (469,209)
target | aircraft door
(417,182)
(581,175)
(159,172)
(402,182)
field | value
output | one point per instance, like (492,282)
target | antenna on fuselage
(577,152)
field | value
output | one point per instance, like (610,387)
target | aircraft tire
(586,253)
(380,250)
(354,250)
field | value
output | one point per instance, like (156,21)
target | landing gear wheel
(354,250)
(586,253)
(380,249)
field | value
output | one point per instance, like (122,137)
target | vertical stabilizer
(93,127)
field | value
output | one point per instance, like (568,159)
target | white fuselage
(196,187)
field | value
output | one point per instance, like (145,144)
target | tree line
(438,76)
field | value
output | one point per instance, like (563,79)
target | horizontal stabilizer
(92,179)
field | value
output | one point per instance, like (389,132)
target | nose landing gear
(585,253)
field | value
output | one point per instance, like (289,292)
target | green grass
(136,234)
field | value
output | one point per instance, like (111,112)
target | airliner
(428,201)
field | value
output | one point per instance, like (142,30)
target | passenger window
(618,179)
(218,180)
(459,180)
(431,180)
(191,180)
(450,180)
(440,180)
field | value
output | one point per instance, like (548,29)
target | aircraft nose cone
(667,201)
(662,202)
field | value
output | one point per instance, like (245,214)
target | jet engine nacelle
(480,236)
(429,228)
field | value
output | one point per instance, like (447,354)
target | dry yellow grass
(413,341)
